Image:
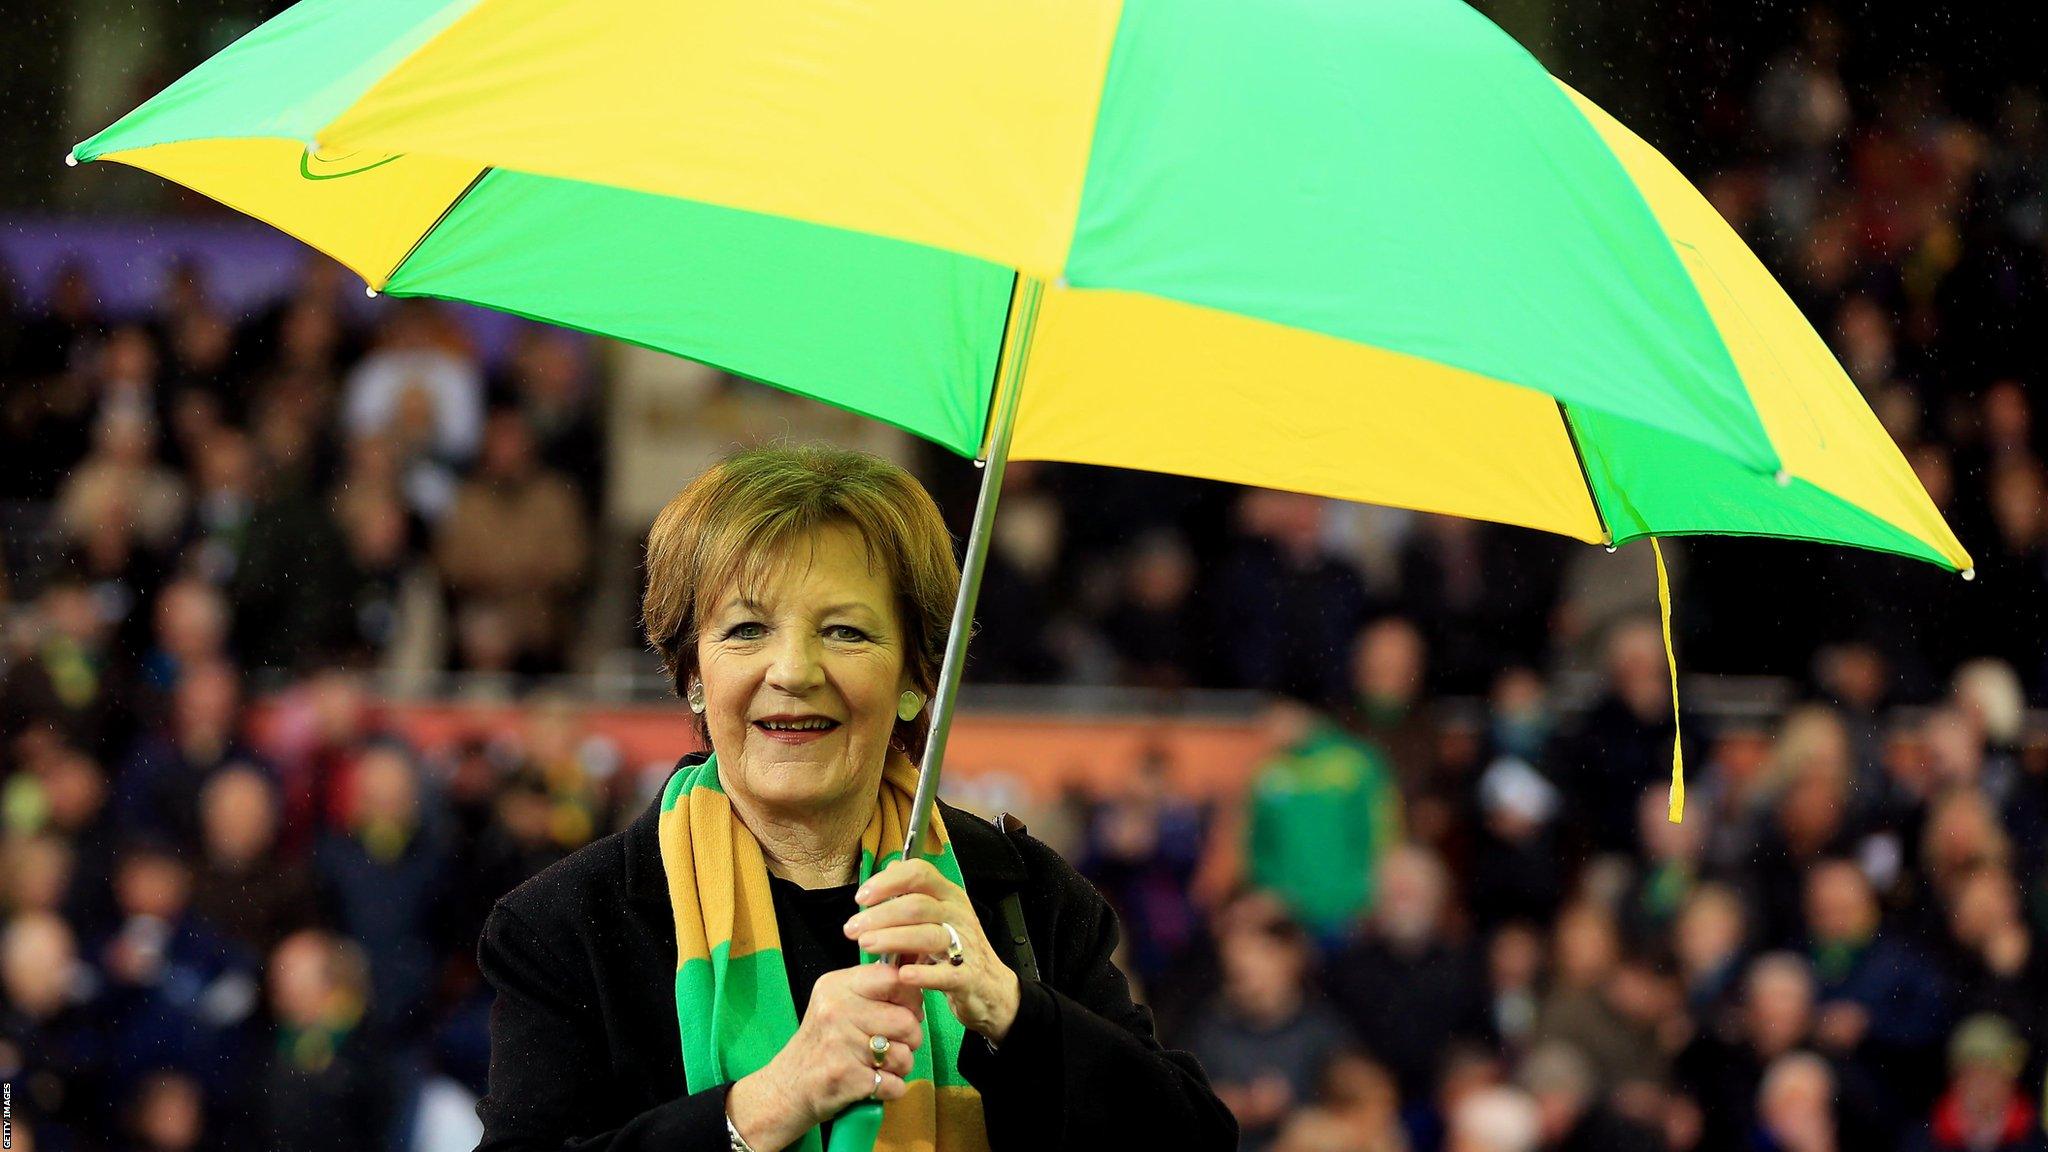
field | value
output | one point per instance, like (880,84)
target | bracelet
(737,1141)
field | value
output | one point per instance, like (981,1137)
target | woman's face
(820,647)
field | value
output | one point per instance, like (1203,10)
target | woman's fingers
(940,977)
(876,982)
(891,1020)
(897,1060)
(853,1083)
(909,940)
(899,878)
(915,908)
(892,1087)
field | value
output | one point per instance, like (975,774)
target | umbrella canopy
(1369,251)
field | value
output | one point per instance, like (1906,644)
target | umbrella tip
(1969,573)
(1784,478)
(1610,549)
(71,158)
(369,291)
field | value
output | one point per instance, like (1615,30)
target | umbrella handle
(1021,322)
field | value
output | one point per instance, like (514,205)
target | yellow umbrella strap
(1671,662)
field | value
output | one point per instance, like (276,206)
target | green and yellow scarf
(732,991)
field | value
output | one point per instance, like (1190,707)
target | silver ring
(878,1047)
(876,1092)
(955,954)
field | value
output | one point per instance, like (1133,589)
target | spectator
(177,994)
(1514,969)
(1807,818)
(1880,1003)
(1152,627)
(1495,1120)
(515,541)
(1359,1096)
(1584,1006)
(1519,716)
(425,397)
(384,873)
(224,503)
(1518,870)
(34,872)
(1323,816)
(191,630)
(52,1043)
(374,594)
(66,680)
(158,787)
(122,482)
(1723,1066)
(1708,939)
(243,889)
(1795,1107)
(167,1113)
(519,840)
(549,381)
(1995,962)
(75,801)
(1673,861)
(1388,705)
(1571,1116)
(1405,983)
(1984,1109)
(1143,848)
(1264,1041)
(324,1088)
(1624,741)
(1284,602)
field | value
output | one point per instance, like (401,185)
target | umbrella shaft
(1009,382)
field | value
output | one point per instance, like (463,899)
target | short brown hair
(740,516)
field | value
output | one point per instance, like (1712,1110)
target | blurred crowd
(1483,933)
(1450,912)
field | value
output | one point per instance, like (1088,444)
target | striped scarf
(733,1001)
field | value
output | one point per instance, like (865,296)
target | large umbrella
(1368,251)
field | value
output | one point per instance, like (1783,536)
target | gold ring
(955,954)
(875,1093)
(878,1047)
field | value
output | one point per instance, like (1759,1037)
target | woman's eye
(746,630)
(846,632)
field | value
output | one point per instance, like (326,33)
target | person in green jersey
(1323,811)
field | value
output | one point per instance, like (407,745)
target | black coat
(586,1053)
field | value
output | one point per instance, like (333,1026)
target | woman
(695,981)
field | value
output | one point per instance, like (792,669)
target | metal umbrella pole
(1009,379)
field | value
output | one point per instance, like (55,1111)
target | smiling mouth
(809,725)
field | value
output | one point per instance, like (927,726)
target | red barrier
(1044,754)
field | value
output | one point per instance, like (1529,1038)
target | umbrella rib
(439,220)
(1592,493)
(995,386)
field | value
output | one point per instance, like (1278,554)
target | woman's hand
(827,1064)
(905,908)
